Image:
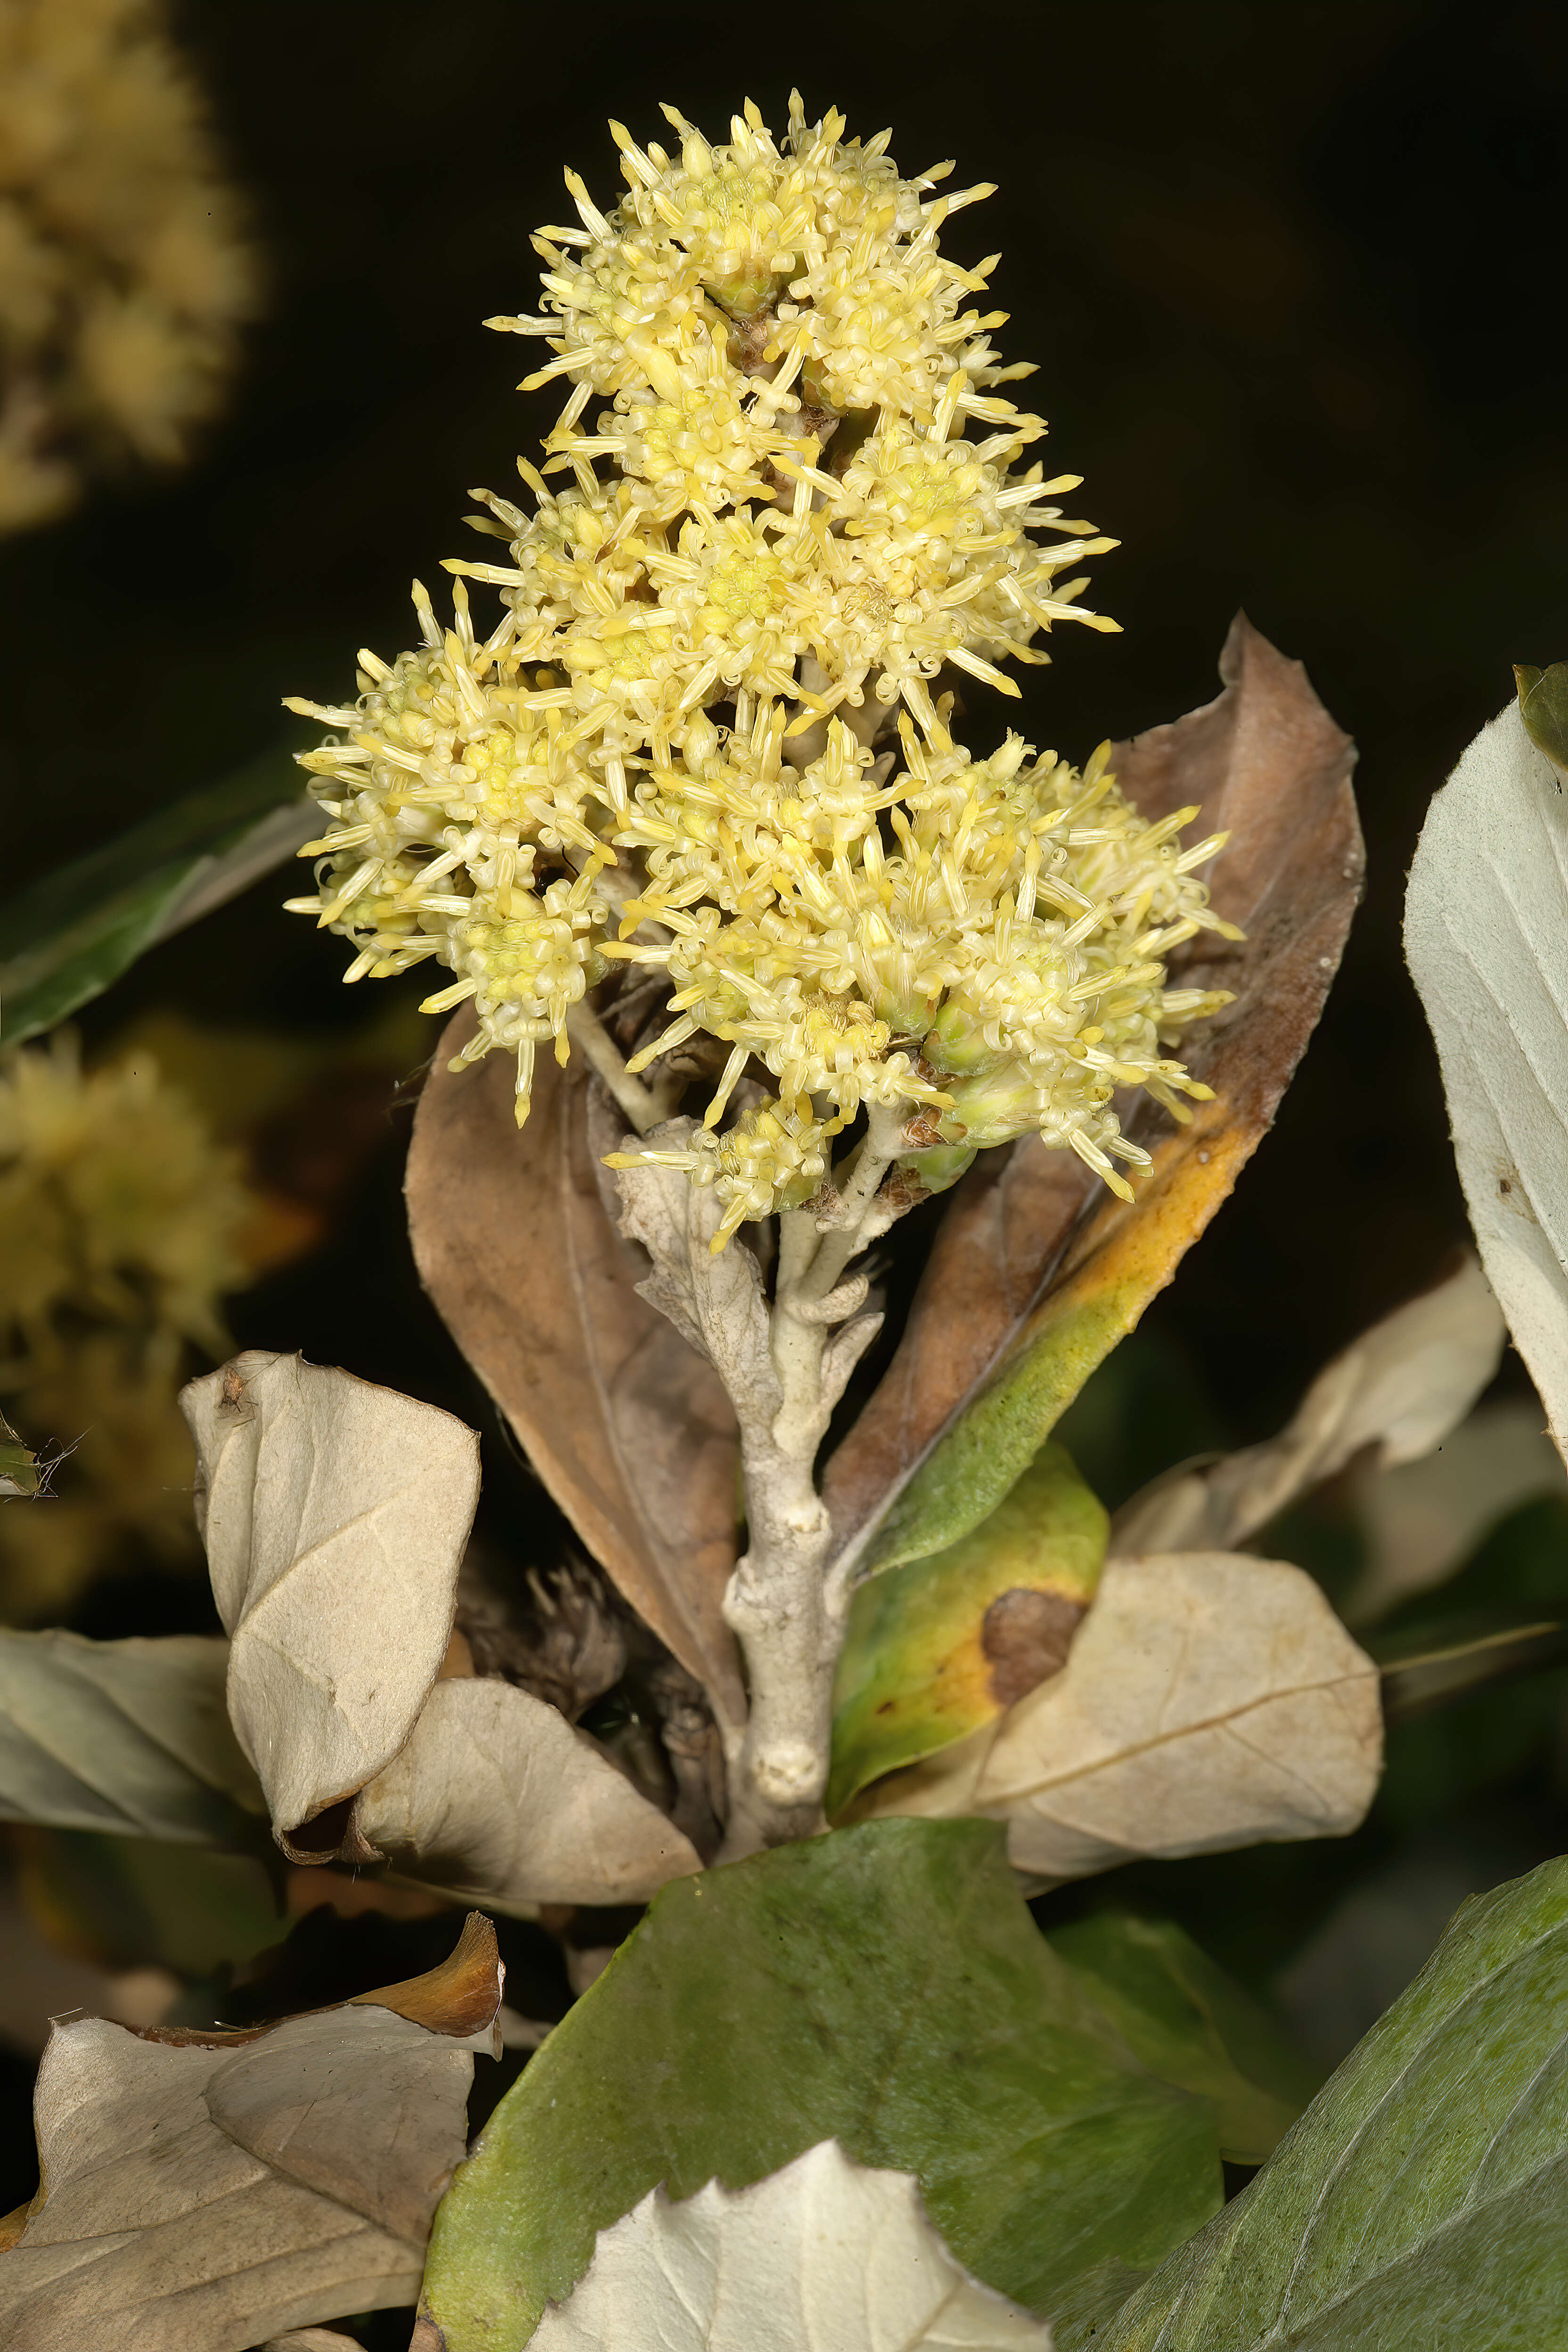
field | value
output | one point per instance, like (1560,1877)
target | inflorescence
(704,739)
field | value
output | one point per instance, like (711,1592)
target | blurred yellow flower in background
(122,1224)
(123,270)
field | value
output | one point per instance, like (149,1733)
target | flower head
(707,740)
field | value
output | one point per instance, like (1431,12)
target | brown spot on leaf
(1026,1636)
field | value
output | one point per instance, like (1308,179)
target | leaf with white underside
(497,1797)
(884,1986)
(1210,1700)
(1419,2201)
(1395,1394)
(334,1514)
(825,2256)
(126,1737)
(1486,931)
(202,2191)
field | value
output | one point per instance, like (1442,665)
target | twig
(784,1368)
(642,1104)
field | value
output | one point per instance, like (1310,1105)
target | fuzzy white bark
(785,1369)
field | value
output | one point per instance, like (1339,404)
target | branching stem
(784,1368)
(643,1107)
(789,1627)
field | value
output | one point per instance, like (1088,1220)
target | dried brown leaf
(1031,1238)
(1211,1700)
(629,1428)
(203,2190)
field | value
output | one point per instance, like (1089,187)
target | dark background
(1292,276)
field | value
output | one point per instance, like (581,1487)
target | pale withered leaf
(334,1514)
(1210,1700)
(202,2191)
(1392,1395)
(127,1736)
(497,1798)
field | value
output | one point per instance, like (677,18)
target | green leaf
(72,933)
(1543,707)
(139,1903)
(19,1466)
(940,1646)
(1452,1729)
(883,1986)
(129,1737)
(1191,2023)
(1420,2198)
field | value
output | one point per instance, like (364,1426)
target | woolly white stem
(777,1603)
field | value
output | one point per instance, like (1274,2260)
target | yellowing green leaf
(940,1646)
(1211,1700)
(19,1466)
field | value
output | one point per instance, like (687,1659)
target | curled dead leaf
(1210,1700)
(1035,1273)
(629,1428)
(497,1797)
(1394,1393)
(205,2190)
(334,1514)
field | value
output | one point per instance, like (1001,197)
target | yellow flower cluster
(122,272)
(119,1224)
(704,739)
